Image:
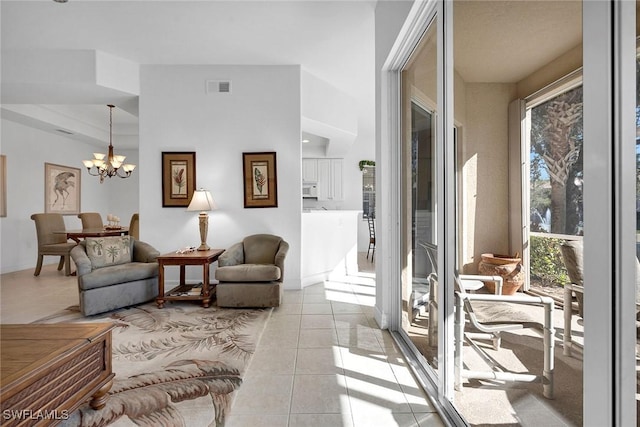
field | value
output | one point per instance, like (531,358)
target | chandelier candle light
(203,202)
(110,166)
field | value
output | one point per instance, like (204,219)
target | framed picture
(61,189)
(178,178)
(260,180)
(3,185)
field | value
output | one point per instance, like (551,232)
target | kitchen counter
(329,244)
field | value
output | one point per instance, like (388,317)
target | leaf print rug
(176,366)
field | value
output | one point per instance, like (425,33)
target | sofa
(114,272)
(250,273)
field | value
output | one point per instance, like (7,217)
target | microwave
(309,190)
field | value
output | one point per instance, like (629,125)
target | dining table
(77,235)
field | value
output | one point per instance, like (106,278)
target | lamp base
(204,228)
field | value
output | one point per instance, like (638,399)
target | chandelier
(111,166)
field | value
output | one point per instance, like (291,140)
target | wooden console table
(49,370)
(182,291)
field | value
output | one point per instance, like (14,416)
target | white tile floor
(321,361)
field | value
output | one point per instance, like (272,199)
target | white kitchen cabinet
(330,179)
(309,170)
(336,179)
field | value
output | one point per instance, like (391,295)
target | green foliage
(546,261)
(364,163)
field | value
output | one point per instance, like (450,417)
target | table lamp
(203,202)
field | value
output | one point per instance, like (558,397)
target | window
(369,191)
(556,165)
(555,184)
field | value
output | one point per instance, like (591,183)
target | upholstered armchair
(115,272)
(52,240)
(251,272)
(91,220)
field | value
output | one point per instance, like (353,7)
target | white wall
(262,113)
(27,150)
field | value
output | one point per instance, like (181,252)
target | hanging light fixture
(109,167)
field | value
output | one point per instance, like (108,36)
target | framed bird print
(260,180)
(61,189)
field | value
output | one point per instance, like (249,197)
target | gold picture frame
(260,180)
(178,178)
(62,189)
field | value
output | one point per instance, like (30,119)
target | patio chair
(490,321)
(503,319)
(470,284)
(572,257)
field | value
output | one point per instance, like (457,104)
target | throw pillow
(105,251)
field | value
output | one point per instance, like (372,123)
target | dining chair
(91,220)
(51,241)
(134,226)
(372,237)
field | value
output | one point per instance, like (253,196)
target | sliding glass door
(539,151)
(419,200)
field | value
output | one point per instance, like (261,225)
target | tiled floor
(321,361)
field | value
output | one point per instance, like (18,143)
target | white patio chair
(491,329)
(470,283)
(464,303)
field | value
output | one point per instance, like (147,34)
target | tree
(556,137)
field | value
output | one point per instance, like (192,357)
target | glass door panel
(492,194)
(419,253)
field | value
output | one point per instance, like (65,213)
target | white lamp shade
(202,201)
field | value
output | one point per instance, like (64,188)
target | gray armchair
(251,272)
(114,280)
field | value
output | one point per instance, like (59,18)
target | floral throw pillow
(105,251)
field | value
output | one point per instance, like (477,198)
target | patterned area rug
(177,366)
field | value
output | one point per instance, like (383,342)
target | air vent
(66,132)
(218,86)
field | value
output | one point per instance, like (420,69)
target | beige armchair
(251,272)
(52,243)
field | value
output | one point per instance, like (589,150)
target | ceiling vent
(218,86)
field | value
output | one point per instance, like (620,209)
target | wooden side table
(182,291)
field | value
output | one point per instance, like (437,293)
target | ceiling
(334,40)
(505,41)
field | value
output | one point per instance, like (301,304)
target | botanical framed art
(61,189)
(260,180)
(178,178)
